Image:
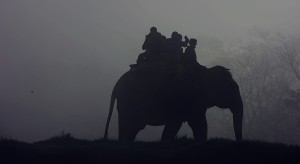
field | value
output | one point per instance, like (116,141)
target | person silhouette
(180,44)
(183,43)
(189,56)
(173,46)
(151,45)
(152,41)
(170,47)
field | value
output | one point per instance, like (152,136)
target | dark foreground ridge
(66,149)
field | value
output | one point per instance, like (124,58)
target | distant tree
(289,54)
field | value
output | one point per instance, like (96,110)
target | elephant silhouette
(155,99)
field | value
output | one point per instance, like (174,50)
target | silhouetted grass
(67,149)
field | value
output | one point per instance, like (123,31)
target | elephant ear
(200,81)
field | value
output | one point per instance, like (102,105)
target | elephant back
(219,74)
(158,67)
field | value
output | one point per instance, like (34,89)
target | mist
(59,60)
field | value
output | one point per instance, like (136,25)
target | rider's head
(153,29)
(174,35)
(179,37)
(193,42)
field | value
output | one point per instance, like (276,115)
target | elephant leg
(128,134)
(238,124)
(170,131)
(128,128)
(199,127)
(237,111)
(236,107)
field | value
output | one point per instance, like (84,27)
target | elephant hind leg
(128,129)
(170,131)
(199,127)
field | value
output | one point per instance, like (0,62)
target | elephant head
(216,87)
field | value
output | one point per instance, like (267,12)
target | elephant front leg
(238,125)
(199,128)
(170,131)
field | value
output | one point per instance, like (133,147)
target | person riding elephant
(180,44)
(152,42)
(172,47)
(189,57)
(151,45)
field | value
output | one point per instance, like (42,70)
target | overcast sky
(59,59)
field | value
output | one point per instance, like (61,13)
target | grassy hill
(66,149)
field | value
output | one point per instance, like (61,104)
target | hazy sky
(71,52)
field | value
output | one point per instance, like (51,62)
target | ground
(66,149)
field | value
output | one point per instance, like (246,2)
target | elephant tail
(111,107)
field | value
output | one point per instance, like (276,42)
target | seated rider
(189,57)
(180,44)
(172,47)
(152,42)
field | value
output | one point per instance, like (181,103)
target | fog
(59,60)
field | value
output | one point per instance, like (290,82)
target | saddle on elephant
(166,65)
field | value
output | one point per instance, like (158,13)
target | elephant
(170,99)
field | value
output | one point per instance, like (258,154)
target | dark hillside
(66,149)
